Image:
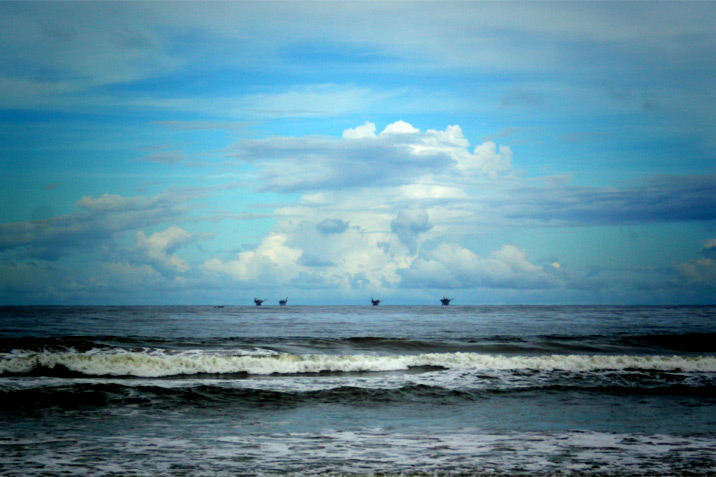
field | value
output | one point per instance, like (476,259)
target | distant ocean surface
(531,390)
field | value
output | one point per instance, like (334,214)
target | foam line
(160,364)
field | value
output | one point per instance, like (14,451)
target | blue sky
(507,152)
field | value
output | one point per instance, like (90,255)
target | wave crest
(159,363)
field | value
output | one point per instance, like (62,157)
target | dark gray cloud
(408,225)
(321,163)
(332,226)
(308,260)
(659,199)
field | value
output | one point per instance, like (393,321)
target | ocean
(346,390)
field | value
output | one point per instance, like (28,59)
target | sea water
(358,390)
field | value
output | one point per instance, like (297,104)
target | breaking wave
(164,363)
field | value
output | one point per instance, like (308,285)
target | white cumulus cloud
(399,127)
(273,261)
(360,132)
(453,266)
(400,155)
(158,248)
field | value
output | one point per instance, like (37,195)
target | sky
(333,152)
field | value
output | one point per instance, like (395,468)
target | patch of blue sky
(16,116)
(28,198)
(646,245)
(600,158)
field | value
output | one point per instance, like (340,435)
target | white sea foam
(369,451)
(158,363)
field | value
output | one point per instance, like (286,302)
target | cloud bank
(391,214)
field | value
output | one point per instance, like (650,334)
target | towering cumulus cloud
(397,189)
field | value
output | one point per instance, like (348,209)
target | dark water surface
(251,391)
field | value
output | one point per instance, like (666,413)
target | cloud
(108,67)
(399,155)
(709,248)
(332,226)
(409,232)
(701,271)
(364,249)
(76,49)
(458,186)
(272,262)
(308,260)
(450,266)
(488,159)
(70,55)
(307,101)
(355,262)
(158,248)
(408,225)
(399,127)
(165,157)
(202,125)
(360,132)
(522,98)
(658,199)
(90,229)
